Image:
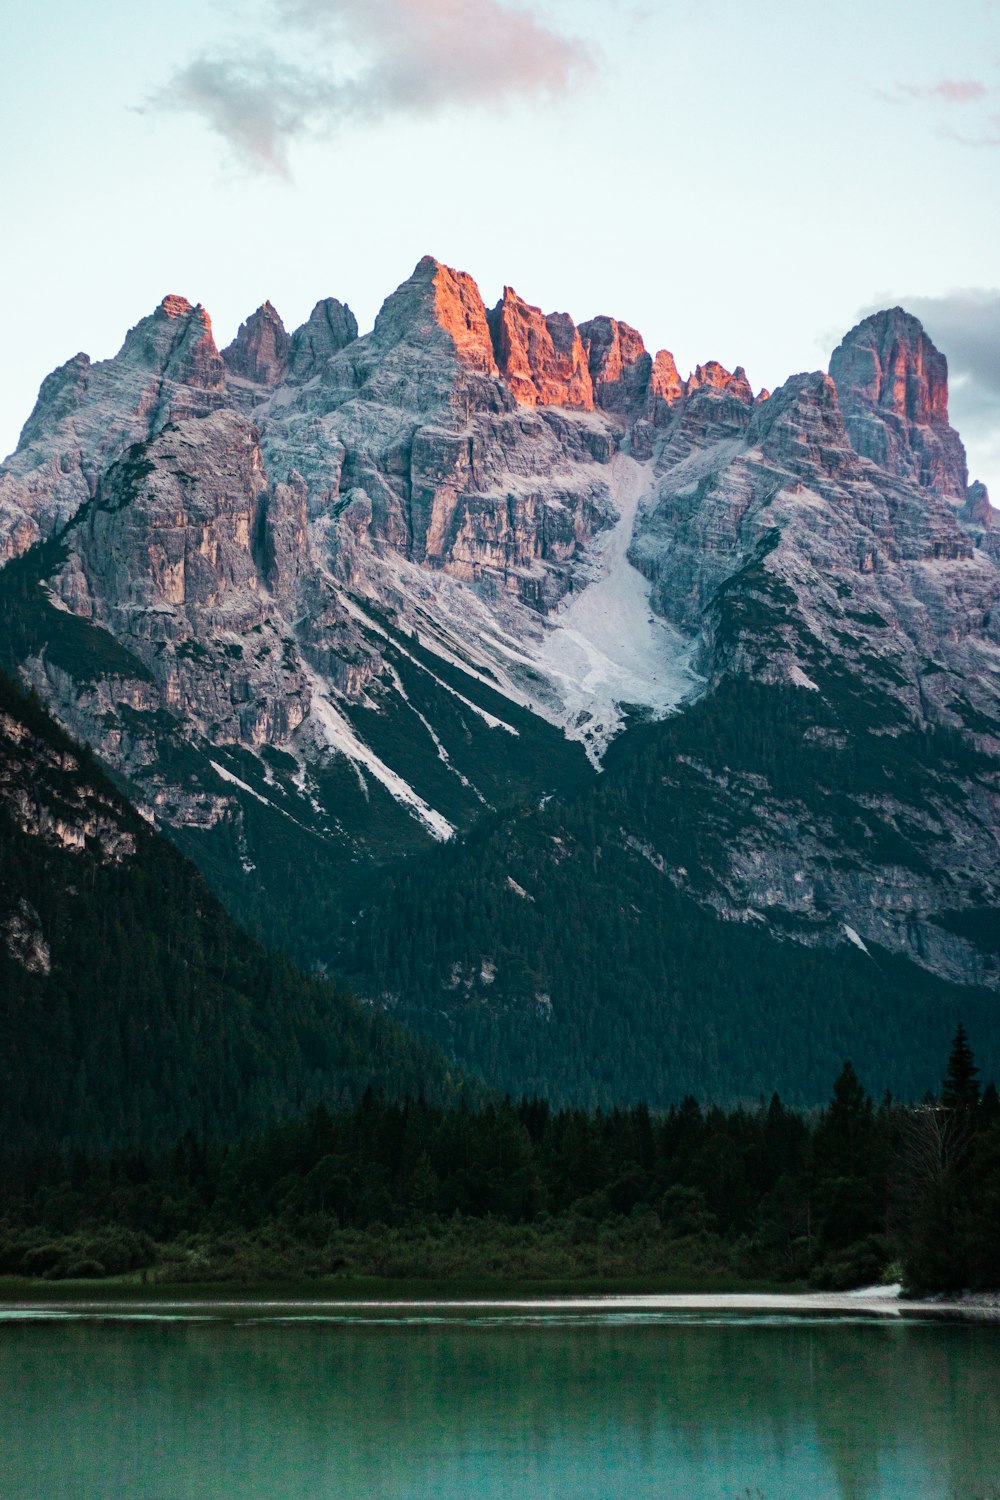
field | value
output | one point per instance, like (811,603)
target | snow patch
(800,679)
(243,786)
(605,647)
(442,753)
(855,938)
(438,648)
(338,733)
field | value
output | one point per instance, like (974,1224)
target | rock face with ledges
(182,557)
(801,563)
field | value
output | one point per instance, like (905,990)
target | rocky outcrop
(46,793)
(716,378)
(22,935)
(979,521)
(977,510)
(62,393)
(709,407)
(87,415)
(330,327)
(541,356)
(260,350)
(620,368)
(665,389)
(176,346)
(440,310)
(893,388)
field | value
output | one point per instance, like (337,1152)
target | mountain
(358,619)
(132,1008)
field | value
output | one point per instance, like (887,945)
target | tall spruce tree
(960,1089)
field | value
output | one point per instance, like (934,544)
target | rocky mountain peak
(429,550)
(438,304)
(889,361)
(619,365)
(59,395)
(893,388)
(541,356)
(260,350)
(977,509)
(715,377)
(711,405)
(176,343)
(665,388)
(175,306)
(801,427)
(330,327)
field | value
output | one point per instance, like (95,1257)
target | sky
(739,181)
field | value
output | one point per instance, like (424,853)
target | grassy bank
(459,1256)
(131,1288)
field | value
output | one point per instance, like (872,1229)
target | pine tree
(960,1089)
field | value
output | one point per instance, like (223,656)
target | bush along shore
(518,1194)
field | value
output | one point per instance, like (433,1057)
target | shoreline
(259,1304)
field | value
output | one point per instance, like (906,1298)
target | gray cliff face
(260,350)
(350,583)
(87,415)
(179,558)
(809,567)
(331,326)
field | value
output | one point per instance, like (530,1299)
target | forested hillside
(132,1008)
(574,950)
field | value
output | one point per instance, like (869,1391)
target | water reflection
(296,1411)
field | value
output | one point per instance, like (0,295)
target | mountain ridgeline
(623,734)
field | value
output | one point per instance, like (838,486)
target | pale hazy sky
(740,181)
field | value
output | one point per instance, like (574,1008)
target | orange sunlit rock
(540,355)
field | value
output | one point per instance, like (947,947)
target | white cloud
(350,61)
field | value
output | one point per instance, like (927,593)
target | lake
(477,1404)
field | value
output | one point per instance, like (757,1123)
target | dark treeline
(848,1195)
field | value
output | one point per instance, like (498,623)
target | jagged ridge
(362,590)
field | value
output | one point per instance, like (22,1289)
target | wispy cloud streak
(947,90)
(965,109)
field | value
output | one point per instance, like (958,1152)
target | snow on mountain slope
(604,648)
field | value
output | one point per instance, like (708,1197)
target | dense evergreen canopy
(132,1007)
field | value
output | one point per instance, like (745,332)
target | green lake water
(484,1408)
